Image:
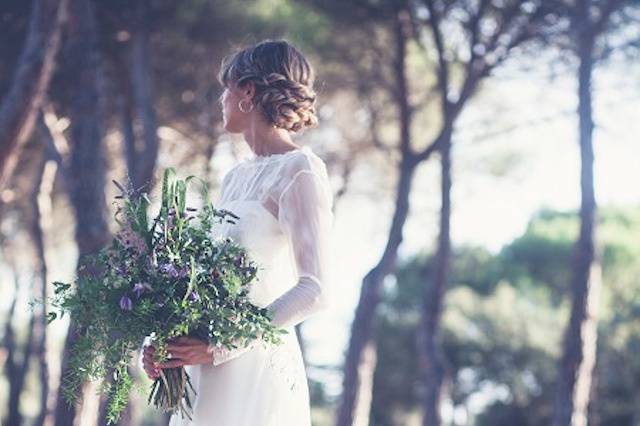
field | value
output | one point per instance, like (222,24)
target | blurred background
(485,160)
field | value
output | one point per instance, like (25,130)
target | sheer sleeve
(305,215)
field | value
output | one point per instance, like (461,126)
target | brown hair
(283,79)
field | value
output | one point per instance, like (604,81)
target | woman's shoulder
(305,159)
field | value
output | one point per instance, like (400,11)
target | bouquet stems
(169,392)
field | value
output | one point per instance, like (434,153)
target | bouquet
(164,278)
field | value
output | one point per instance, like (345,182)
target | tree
(86,172)
(588,21)
(16,367)
(407,22)
(140,161)
(480,52)
(20,105)
(41,204)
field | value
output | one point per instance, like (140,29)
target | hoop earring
(241,109)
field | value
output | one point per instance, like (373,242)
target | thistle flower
(125,303)
(139,287)
(132,240)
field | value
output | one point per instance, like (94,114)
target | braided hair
(283,80)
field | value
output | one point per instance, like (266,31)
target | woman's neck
(267,140)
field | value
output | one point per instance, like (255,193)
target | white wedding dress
(284,203)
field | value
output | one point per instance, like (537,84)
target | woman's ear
(249,89)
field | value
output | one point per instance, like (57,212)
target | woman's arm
(305,215)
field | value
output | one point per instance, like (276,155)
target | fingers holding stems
(181,351)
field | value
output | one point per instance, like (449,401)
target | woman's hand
(185,350)
(149,363)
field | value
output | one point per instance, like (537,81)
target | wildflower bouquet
(164,278)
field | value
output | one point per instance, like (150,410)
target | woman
(284,202)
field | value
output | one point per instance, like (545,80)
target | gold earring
(241,109)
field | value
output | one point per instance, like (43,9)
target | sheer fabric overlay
(284,203)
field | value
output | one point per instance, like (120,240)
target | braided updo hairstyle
(283,80)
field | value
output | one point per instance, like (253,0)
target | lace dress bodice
(284,204)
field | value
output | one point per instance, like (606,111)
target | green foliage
(165,278)
(294,18)
(503,321)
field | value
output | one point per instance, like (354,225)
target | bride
(284,201)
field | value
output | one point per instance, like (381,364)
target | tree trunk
(36,64)
(145,154)
(579,345)
(138,113)
(41,207)
(87,166)
(9,345)
(357,366)
(360,359)
(432,361)
(16,368)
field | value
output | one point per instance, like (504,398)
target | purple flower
(125,303)
(167,268)
(184,272)
(139,287)
(121,269)
(173,272)
(194,296)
